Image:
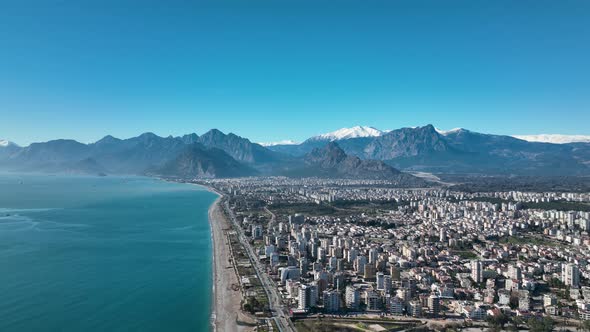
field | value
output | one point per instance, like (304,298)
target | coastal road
(275,302)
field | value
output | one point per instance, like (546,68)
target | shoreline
(213,314)
(223,302)
(226,308)
(226,301)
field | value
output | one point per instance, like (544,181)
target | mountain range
(457,151)
(357,152)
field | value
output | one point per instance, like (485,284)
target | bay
(82,253)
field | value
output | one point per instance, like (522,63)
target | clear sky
(282,69)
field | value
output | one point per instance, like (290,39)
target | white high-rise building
(443,235)
(314,295)
(570,275)
(274,259)
(373,254)
(549,300)
(321,254)
(352,254)
(476,271)
(524,300)
(359,264)
(396,306)
(414,309)
(307,297)
(304,297)
(380,281)
(353,297)
(387,284)
(514,272)
(373,300)
(291,272)
(434,305)
(395,273)
(331,300)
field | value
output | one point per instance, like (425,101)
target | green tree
(541,325)
(497,321)
(517,322)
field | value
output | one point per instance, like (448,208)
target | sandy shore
(226,301)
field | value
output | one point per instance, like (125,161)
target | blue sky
(272,70)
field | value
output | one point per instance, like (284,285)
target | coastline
(226,309)
(226,301)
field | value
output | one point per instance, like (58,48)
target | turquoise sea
(81,253)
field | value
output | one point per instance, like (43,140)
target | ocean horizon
(104,253)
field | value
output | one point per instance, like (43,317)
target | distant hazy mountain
(493,154)
(137,154)
(427,149)
(405,142)
(238,147)
(84,166)
(5,143)
(361,133)
(554,138)
(332,162)
(385,146)
(461,151)
(197,161)
(7,148)
(147,152)
(190,138)
(47,156)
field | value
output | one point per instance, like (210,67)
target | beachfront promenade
(275,303)
(227,313)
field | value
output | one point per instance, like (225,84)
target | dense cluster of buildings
(424,253)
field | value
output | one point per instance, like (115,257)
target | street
(276,306)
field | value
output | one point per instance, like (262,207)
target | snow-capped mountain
(285,142)
(446,132)
(346,133)
(4,143)
(554,138)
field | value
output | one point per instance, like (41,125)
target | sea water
(83,253)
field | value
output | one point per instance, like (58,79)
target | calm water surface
(103,254)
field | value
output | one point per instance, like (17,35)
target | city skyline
(279,71)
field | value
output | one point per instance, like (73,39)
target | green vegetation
(335,208)
(516,324)
(556,283)
(477,183)
(383,205)
(253,305)
(497,322)
(559,206)
(517,240)
(465,254)
(305,208)
(541,325)
(585,326)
